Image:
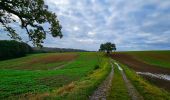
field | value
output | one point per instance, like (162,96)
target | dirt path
(131,89)
(102,91)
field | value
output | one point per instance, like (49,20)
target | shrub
(96,67)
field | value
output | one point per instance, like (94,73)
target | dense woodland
(12,49)
(48,49)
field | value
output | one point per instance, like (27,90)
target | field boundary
(134,94)
(102,91)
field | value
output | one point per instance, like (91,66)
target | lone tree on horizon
(107,47)
(31,15)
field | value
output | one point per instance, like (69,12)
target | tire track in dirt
(102,90)
(134,94)
(61,66)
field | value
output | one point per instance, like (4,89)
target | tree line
(12,49)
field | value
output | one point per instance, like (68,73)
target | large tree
(108,47)
(33,15)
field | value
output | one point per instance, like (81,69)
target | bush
(12,49)
(96,67)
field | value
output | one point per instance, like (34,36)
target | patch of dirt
(165,84)
(53,58)
(138,65)
(102,91)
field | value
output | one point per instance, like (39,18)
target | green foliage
(96,67)
(108,47)
(33,16)
(12,49)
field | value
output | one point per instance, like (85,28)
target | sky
(130,24)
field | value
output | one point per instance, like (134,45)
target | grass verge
(146,89)
(118,89)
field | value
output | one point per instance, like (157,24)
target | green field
(40,76)
(16,79)
(159,58)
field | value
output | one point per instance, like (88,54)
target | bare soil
(138,65)
(54,58)
(165,84)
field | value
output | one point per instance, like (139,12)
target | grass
(118,89)
(159,58)
(82,89)
(15,83)
(146,89)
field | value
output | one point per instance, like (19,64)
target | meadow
(35,74)
(70,76)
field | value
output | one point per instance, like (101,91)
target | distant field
(158,58)
(35,73)
(145,61)
(39,61)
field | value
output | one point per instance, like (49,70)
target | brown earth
(53,58)
(138,65)
(165,84)
(40,63)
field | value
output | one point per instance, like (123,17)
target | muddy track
(138,65)
(133,93)
(102,91)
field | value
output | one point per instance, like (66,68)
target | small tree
(108,47)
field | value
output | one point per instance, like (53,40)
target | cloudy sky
(130,24)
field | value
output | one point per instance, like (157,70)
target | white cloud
(75,28)
(128,23)
(91,33)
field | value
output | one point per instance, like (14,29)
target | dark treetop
(108,47)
